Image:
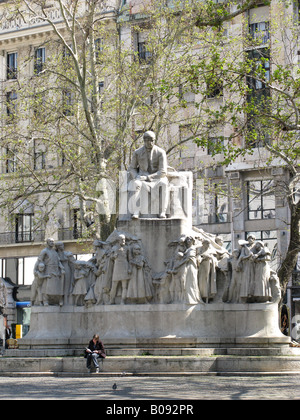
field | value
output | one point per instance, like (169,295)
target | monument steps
(144,374)
(165,351)
(238,364)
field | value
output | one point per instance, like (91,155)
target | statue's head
(50,242)
(206,244)
(41,266)
(251,239)
(149,139)
(122,239)
(189,240)
(136,249)
(59,246)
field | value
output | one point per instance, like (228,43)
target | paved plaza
(184,387)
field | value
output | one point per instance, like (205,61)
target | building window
(211,203)
(62,159)
(297,11)
(215,145)
(11,161)
(260,31)
(39,155)
(214,87)
(24,227)
(39,60)
(259,23)
(258,97)
(19,270)
(185,96)
(11,104)
(227,241)
(98,49)
(77,225)
(143,53)
(203,203)
(261,200)
(259,61)
(101,87)
(12,66)
(66,51)
(68,103)
(220,203)
(39,160)
(38,105)
(101,92)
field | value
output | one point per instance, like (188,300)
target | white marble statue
(80,288)
(262,271)
(207,271)
(148,171)
(275,287)
(67,260)
(191,292)
(247,268)
(54,287)
(38,287)
(121,269)
(235,278)
(140,289)
(177,270)
(102,262)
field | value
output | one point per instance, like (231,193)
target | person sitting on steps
(94,351)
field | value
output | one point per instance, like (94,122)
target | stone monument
(156,280)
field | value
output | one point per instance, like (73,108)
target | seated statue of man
(148,170)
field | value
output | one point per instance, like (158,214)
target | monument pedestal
(156,236)
(156,325)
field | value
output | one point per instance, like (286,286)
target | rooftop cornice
(12,30)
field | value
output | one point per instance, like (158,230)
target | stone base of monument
(151,365)
(214,325)
(157,339)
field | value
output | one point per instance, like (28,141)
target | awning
(24,304)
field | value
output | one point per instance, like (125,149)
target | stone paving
(182,387)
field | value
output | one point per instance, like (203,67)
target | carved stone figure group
(118,271)
(53,275)
(191,274)
(200,270)
(251,277)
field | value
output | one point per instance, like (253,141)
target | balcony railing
(7,238)
(18,23)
